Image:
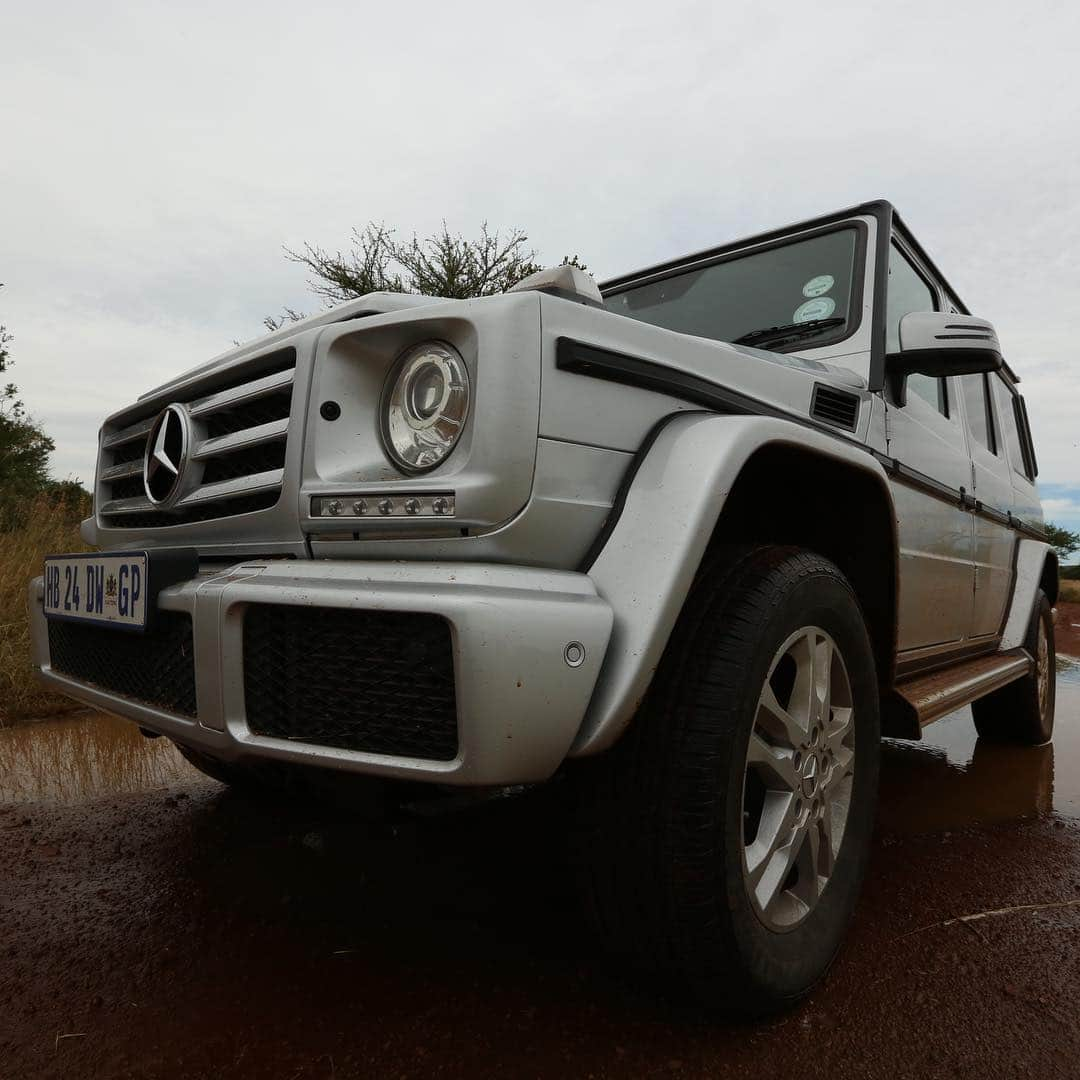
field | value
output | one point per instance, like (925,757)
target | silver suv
(694,541)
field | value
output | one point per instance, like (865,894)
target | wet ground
(154,924)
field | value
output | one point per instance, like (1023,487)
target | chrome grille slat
(224,444)
(251,391)
(245,485)
(136,505)
(125,468)
(125,435)
(238,437)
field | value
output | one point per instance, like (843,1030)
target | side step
(920,700)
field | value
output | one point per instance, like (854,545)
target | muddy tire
(725,837)
(1023,711)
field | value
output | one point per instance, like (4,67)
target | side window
(931,390)
(977,406)
(1008,408)
(909,292)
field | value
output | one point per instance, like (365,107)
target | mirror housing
(940,343)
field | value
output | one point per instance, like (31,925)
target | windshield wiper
(775,334)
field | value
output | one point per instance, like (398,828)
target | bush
(47,524)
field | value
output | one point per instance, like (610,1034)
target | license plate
(99,588)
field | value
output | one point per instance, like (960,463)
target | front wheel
(729,830)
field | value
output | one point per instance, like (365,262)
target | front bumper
(519,702)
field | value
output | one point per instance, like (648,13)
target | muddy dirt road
(152,924)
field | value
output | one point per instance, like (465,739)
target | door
(925,433)
(1012,422)
(992,487)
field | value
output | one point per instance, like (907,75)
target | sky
(156,157)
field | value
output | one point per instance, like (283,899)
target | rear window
(1008,418)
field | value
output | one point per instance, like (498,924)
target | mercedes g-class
(694,541)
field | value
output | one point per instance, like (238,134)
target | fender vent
(834,407)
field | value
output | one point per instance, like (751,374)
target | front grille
(239,432)
(374,681)
(157,667)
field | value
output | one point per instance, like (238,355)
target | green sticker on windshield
(820,307)
(818,285)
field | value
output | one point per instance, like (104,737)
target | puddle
(1068,670)
(954,779)
(75,759)
(949,780)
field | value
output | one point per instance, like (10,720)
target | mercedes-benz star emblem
(166,453)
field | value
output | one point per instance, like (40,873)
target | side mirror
(939,343)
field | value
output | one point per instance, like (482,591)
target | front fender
(651,555)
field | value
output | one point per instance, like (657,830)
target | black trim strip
(1025,428)
(600,363)
(885,215)
(958,496)
(926,484)
(580,358)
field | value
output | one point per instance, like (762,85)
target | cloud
(155,158)
(1061,507)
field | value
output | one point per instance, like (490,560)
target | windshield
(784,297)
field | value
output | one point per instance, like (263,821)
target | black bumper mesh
(157,667)
(379,682)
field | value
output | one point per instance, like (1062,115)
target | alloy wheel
(800,767)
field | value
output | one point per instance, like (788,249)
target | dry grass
(1070,592)
(48,527)
(61,761)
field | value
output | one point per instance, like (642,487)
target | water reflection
(1068,669)
(952,778)
(928,786)
(78,758)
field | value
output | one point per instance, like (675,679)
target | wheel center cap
(810,774)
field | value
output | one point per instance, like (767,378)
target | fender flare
(652,553)
(1033,559)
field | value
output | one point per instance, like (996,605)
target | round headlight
(425,406)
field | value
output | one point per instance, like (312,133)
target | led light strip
(419,505)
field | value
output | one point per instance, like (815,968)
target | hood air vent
(835,407)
